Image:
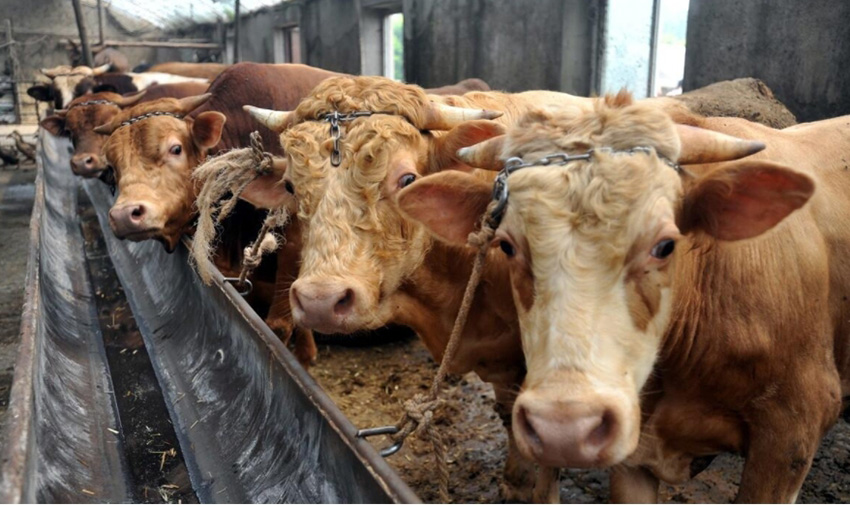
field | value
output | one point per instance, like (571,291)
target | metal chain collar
(335,118)
(500,185)
(149,115)
(93,102)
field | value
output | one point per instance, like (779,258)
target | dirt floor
(16,196)
(370,384)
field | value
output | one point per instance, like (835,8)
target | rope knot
(262,160)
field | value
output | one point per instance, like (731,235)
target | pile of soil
(370,384)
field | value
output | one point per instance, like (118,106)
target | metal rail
(252,425)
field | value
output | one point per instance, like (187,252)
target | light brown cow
(669,316)
(154,159)
(364,265)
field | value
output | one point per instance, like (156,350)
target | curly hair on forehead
(378,94)
(616,122)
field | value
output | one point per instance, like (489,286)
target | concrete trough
(251,424)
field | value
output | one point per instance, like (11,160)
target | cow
(89,111)
(203,70)
(364,265)
(676,301)
(153,161)
(68,83)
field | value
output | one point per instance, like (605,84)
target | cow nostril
(528,429)
(600,435)
(137,213)
(89,161)
(344,304)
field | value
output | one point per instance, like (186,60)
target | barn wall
(800,49)
(40,26)
(514,46)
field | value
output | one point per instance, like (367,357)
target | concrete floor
(16,199)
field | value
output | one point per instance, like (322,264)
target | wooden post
(16,69)
(100,21)
(81,26)
(236,58)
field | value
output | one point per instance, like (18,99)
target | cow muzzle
(583,433)
(133,221)
(327,306)
(87,165)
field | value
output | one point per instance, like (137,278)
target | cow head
(78,122)
(66,84)
(357,249)
(153,149)
(594,247)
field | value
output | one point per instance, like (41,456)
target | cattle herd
(660,286)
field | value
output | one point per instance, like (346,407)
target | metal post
(16,69)
(100,21)
(653,47)
(236,58)
(81,26)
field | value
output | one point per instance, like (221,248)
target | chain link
(93,102)
(335,118)
(149,115)
(500,185)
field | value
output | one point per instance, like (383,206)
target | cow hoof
(516,494)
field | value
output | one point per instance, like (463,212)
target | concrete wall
(513,45)
(801,50)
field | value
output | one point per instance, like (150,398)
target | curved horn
(108,128)
(101,69)
(61,112)
(486,155)
(190,103)
(53,72)
(275,120)
(705,146)
(130,99)
(445,117)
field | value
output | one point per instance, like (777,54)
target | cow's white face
(591,247)
(596,249)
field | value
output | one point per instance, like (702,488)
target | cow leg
(633,484)
(305,346)
(547,487)
(785,434)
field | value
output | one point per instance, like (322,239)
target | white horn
(275,120)
(446,117)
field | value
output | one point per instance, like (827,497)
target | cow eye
(663,249)
(176,149)
(507,248)
(406,180)
(288,187)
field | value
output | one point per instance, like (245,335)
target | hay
(230,173)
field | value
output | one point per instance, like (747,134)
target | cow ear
(269,191)
(743,201)
(207,128)
(450,204)
(41,92)
(55,125)
(464,135)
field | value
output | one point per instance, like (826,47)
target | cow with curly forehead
(363,264)
(667,313)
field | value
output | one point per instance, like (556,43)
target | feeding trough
(249,424)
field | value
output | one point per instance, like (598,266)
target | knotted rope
(419,410)
(231,172)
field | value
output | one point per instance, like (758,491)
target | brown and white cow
(364,265)
(153,160)
(667,316)
(67,83)
(89,111)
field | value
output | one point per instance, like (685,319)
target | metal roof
(165,14)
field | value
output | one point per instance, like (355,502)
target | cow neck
(433,294)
